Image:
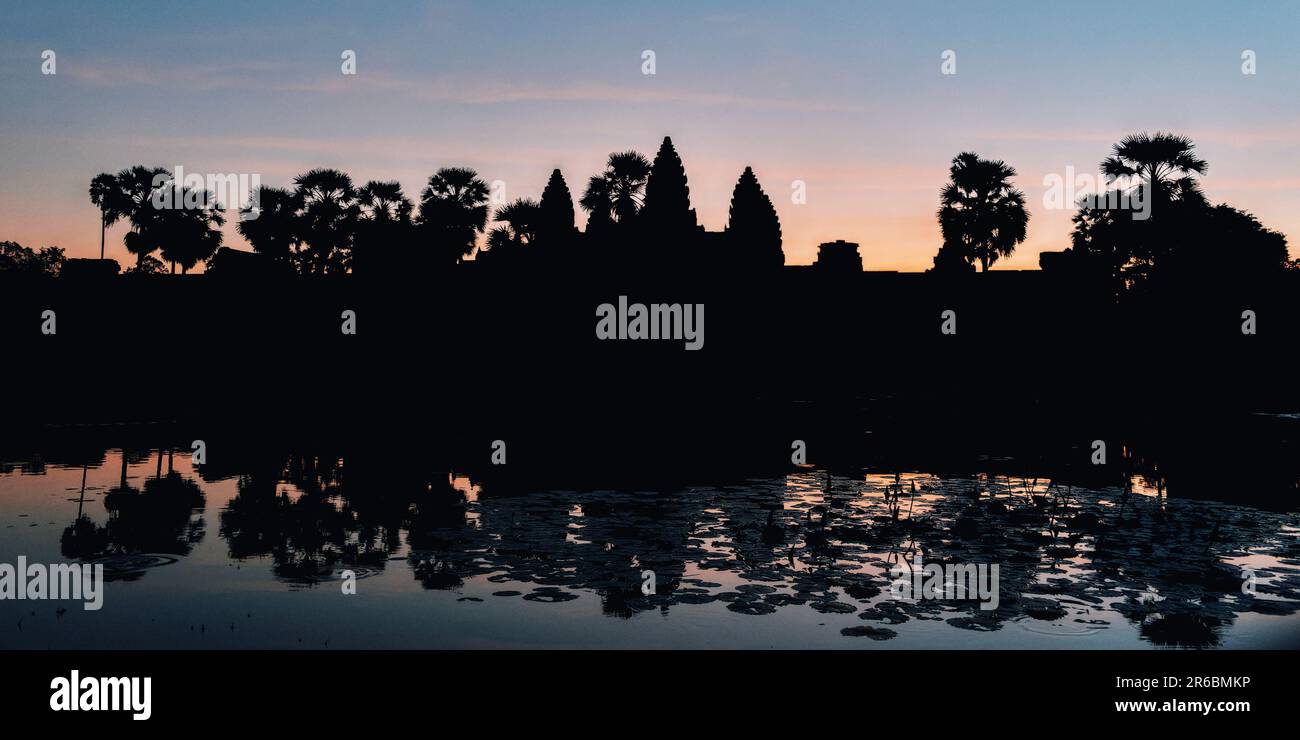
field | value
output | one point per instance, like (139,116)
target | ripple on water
(128,566)
(1077,628)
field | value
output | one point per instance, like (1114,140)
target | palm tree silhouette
(1165,162)
(188,235)
(522,216)
(627,173)
(134,200)
(982,216)
(598,204)
(105,193)
(384,201)
(520,219)
(616,195)
(329,211)
(270,224)
(453,207)
(383,229)
(1130,251)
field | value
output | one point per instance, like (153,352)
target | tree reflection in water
(1073,558)
(1069,556)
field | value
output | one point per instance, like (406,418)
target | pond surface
(264,558)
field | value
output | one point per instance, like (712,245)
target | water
(257,560)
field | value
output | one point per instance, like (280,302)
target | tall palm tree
(270,224)
(105,193)
(187,236)
(329,210)
(981,214)
(136,187)
(1164,162)
(454,208)
(1164,166)
(627,173)
(617,194)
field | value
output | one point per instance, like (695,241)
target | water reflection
(1073,560)
(145,525)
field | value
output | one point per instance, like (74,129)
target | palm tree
(522,216)
(384,201)
(329,211)
(520,219)
(270,224)
(598,204)
(384,228)
(136,187)
(189,235)
(453,207)
(627,173)
(1131,250)
(105,193)
(982,215)
(1164,162)
(617,194)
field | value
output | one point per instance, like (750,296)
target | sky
(848,98)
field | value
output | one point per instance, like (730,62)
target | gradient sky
(846,96)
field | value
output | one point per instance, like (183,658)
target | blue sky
(845,96)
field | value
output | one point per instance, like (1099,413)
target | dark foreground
(371,454)
(206,558)
(521,691)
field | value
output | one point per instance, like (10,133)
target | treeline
(1175,237)
(182,237)
(15,258)
(639,214)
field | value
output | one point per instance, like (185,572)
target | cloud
(1238,138)
(645,90)
(115,74)
(493,92)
